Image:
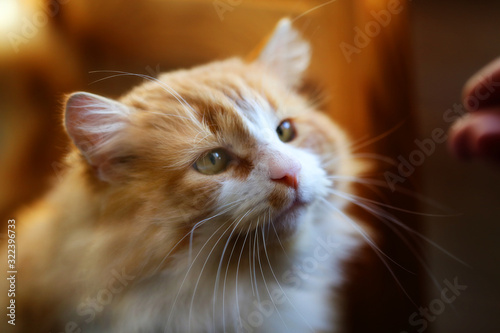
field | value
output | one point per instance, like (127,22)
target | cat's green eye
(286,131)
(213,162)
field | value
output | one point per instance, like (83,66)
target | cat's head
(232,139)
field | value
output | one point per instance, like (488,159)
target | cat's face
(226,144)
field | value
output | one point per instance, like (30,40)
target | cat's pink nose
(285,171)
(289,180)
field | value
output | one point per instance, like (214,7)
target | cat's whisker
(383,184)
(278,238)
(359,179)
(412,248)
(277,281)
(217,277)
(208,257)
(162,84)
(169,115)
(358,144)
(190,233)
(189,270)
(312,9)
(250,247)
(375,186)
(366,237)
(237,273)
(251,262)
(143,76)
(415,252)
(254,266)
(355,197)
(264,279)
(227,208)
(220,262)
(376,249)
(268,234)
(200,140)
(333,160)
(203,268)
(390,221)
(374,157)
(225,280)
(388,217)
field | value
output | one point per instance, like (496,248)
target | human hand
(477,134)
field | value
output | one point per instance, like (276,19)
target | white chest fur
(291,289)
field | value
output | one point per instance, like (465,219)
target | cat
(201,201)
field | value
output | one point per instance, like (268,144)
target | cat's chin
(286,222)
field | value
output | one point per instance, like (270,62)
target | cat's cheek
(194,191)
(247,198)
(313,182)
(290,220)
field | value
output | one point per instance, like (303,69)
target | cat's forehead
(228,104)
(226,98)
(243,116)
(246,86)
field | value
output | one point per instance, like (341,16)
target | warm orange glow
(9,13)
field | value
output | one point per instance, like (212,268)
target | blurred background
(451,41)
(389,70)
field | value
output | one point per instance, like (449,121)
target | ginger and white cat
(201,201)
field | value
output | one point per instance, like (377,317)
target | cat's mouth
(287,218)
(296,204)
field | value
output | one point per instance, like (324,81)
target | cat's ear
(285,53)
(95,125)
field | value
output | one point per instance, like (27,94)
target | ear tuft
(95,123)
(286,53)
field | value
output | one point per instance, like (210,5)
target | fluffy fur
(135,239)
